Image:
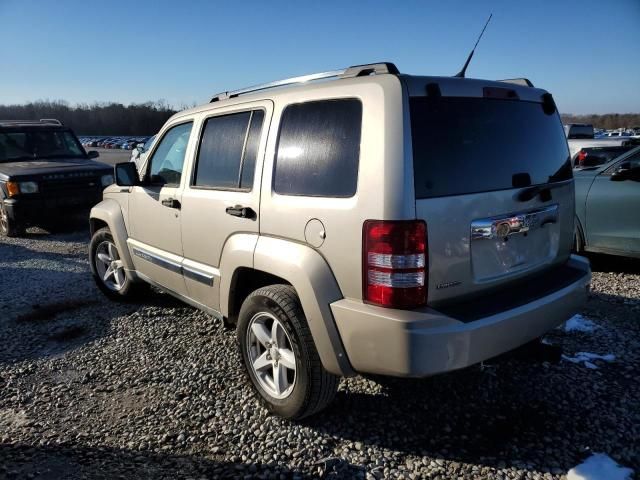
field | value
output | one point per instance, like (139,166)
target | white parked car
(139,153)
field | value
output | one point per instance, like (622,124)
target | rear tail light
(581,156)
(394,263)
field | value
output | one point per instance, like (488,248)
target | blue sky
(585,52)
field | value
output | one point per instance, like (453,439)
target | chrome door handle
(240,211)
(171,203)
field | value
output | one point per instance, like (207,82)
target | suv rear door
(479,164)
(222,194)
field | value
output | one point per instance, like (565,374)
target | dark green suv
(45,173)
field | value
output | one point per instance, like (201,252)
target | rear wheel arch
(244,281)
(308,272)
(96,224)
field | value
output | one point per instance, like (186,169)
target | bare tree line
(147,118)
(95,119)
(607,121)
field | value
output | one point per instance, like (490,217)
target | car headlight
(28,187)
(14,188)
(106,180)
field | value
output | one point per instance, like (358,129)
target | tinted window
(593,157)
(466,145)
(38,143)
(228,150)
(319,149)
(168,157)
(580,131)
(251,150)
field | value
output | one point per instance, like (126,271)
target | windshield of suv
(34,144)
(467,145)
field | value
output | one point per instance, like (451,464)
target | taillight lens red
(394,262)
(581,156)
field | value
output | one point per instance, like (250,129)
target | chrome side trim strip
(197,275)
(157,260)
(515,223)
(188,272)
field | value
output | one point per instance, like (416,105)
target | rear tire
(8,226)
(276,343)
(108,270)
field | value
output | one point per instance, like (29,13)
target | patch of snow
(586,357)
(578,323)
(599,467)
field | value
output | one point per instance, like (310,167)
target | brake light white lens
(394,263)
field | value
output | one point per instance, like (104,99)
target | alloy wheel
(109,266)
(271,355)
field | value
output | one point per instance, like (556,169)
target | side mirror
(126,174)
(92,154)
(625,172)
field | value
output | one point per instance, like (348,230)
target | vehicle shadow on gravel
(70,462)
(488,417)
(614,264)
(52,329)
(60,229)
(58,323)
(22,252)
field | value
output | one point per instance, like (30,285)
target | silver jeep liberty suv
(355,221)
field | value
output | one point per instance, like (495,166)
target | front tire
(8,226)
(107,267)
(280,357)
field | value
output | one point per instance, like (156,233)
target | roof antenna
(461,73)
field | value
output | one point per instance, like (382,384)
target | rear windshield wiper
(544,191)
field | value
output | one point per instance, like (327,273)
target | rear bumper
(36,208)
(427,342)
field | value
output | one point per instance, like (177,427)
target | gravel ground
(91,388)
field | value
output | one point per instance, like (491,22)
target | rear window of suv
(467,145)
(319,149)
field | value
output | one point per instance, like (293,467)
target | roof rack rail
(349,72)
(523,82)
(53,121)
(42,121)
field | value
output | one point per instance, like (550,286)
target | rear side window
(319,149)
(468,145)
(228,151)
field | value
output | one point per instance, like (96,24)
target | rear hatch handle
(544,191)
